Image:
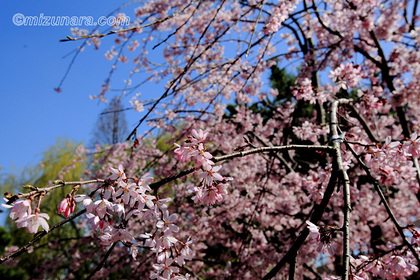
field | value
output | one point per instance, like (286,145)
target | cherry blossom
(34,221)
(117,174)
(313,229)
(413,146)
(20,209)
(165,269)
(167,222)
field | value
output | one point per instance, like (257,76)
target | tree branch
(133,28)
(57,184)
(102,263)
(346,184)
(38,236)
(274,149)
(316,217)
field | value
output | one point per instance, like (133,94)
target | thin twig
(102,263)
(58,184)
(38,236)
(253,29)
(364,123)
(274,149)
(279,157)
(133,28)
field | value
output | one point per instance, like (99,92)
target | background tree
(111,126)
(64,161)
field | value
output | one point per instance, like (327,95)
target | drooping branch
(385,203)
(254,28)
(102,263)
(39,235)
(132,28)
(316,217)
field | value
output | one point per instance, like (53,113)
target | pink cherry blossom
(86,201)
(211,174)
(182,153)
(34,221)
(167,222)
(117,174)
(413,146)
(313,230)
(197,136)
(165,269)
(20,209)
(101,207)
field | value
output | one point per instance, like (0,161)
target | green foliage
(283,82)
(15,273)
(58,162)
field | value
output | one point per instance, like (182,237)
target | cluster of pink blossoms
(109,209)
(346,76)
(391,266)
(123,198)
(22,212)
(304,90)
(385,160)
(278,15)
(213,186)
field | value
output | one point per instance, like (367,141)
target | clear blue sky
(33,62)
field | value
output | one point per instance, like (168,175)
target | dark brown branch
(133,28)
(38,236)
(364,123)
(274,149)
(316,217)
(157,185)
(102,263)
(414,16)
(57,184)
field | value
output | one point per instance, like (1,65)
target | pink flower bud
(66,206)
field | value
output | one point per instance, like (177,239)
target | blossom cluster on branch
(213,186)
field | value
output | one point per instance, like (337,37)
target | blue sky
(33,62)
